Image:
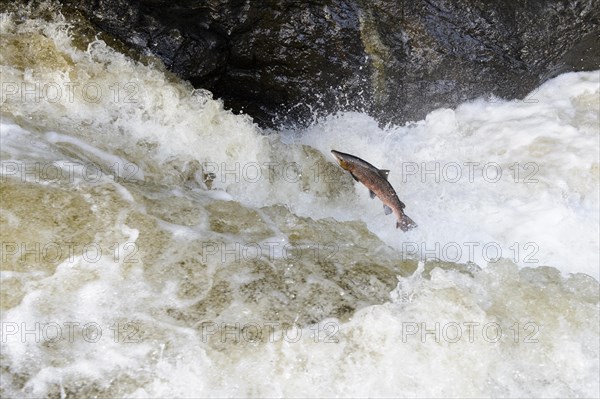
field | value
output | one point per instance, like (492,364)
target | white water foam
(542,210)
(378,352)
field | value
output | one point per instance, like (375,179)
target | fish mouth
(340,158)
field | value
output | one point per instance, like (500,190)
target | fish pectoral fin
(387,209)
(384,173)
(371,194)
(354,177)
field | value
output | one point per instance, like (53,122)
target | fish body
(377,183)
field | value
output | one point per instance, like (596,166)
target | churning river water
(154,244)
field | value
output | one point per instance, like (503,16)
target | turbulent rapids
(157,245)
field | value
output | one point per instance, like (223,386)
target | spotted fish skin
(377,183)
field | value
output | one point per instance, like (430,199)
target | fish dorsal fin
(387,209)
(384,173)
(371,194)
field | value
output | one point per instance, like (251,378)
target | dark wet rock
(397,60)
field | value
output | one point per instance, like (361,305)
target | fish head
(342,159)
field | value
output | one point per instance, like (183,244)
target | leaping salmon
(376,180)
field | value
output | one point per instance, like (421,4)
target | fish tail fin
(405,223)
